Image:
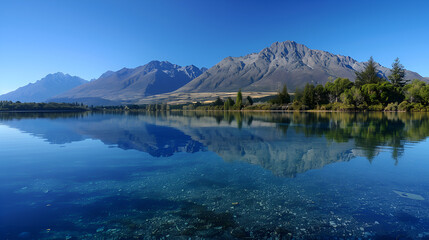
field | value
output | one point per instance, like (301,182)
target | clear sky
(87,37)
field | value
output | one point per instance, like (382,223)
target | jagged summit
(106,74)
(57,74)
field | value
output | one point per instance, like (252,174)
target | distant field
(178,98)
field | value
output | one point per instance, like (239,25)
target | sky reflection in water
(214,175)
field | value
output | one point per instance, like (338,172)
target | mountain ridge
(281,63)
(130,84)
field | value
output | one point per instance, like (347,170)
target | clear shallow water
(214,176)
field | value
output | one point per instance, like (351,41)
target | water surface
(214,176)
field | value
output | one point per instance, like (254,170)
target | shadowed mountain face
(282,63)
(44,89)
(286,144)
(131,84)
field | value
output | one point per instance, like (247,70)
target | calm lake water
(214,176)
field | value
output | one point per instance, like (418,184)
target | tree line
(370,91)
(9,106)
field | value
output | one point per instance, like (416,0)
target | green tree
(424,94)
(336,88)
(218,102)
(308,97)
(299,93)
(282,97)
(397,74)
(384,93)
(368,75)
(389,93)
(239,100)
(228,104)
(347,97)
(413,91)
(370,93)
(250,100)
(321,95)
(357,96)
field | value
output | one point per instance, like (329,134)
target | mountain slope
(130,84)
(282,63)
(45,88)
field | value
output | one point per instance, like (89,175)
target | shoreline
(285,111)
(208,110)
(45,111)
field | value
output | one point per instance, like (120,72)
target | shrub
(391,107)
(262,106)
(376,107)
(297,106)
(417,107)
(404,106)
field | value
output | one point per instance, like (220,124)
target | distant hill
(282,63)
(132,84)
(44,89)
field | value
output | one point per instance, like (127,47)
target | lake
(197,175)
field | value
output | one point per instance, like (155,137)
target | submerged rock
(24,235)
(409,195)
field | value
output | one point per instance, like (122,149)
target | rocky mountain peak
(161,65)
(106,74)
(191,71)
(57,74)
(282,49)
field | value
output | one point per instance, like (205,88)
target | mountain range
(132,84)
(282,63)
(45,88)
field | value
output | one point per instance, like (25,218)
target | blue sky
(86,37)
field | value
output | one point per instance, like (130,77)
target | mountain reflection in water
(284,143)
